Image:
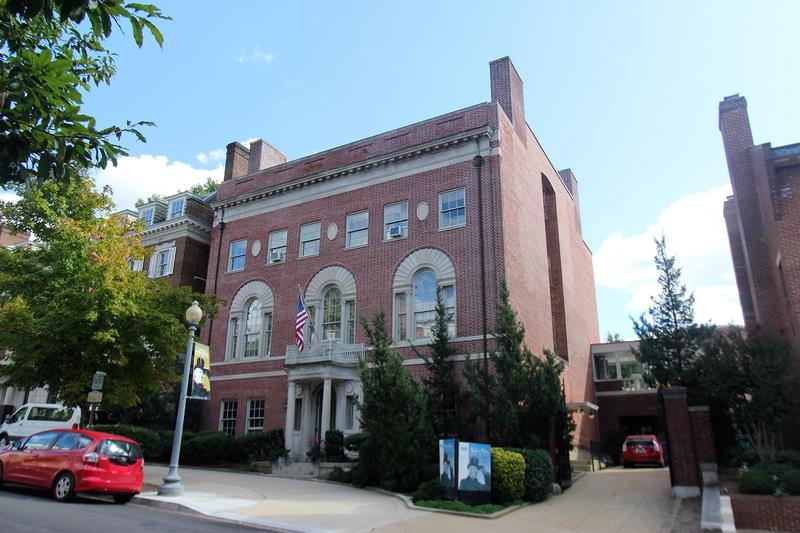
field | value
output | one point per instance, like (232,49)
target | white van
(35,417)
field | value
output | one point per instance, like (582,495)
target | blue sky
(624,93)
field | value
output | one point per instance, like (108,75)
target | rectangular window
(309,239)
(233,331)
(451,209)
(312,332)
(449,297)
(350,316)
(277,247)
(137,265)
(255,415)
(350,412)
(237,255)
(298,414)
(401,321)
(267,332)
(147,215)
(395,221)
(357,229)
(161,263)
(605,366)
(227,419)
(176,208)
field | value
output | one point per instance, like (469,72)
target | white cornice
(184,226)
(386,159)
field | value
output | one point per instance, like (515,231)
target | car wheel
(122,499)
(64,487)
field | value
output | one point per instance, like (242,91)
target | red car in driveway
(67,461)
(642,449)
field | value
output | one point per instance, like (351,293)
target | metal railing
(325,352)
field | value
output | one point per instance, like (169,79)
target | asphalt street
(24,510)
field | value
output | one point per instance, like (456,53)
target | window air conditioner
(275,257)
(395,232)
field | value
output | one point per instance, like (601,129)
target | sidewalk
(614,500)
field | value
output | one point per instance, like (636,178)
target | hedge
(538,474)
(334,445)
(754,481)
(149,440)
(791,482)
(508,475)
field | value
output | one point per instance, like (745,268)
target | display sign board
(201,373)
(447,467)
(474,472)
(94,397)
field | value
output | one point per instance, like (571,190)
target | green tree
(669,336)
(48,60)
(393,412)
(443,390)
(70,305)
(522,394)
(204,189)
(613,337)
(152,198)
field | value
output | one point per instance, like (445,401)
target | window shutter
(151,268)
(171,261)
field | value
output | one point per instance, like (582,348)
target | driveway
(612,500)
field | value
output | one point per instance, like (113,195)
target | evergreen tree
(443,390)
(669,336)
(393,412)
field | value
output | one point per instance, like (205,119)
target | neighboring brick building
(178,229)
(763,222)
(376,224)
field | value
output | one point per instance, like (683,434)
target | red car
(67,461)
(642,449)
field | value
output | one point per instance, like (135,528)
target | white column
(326,408)
(288,431)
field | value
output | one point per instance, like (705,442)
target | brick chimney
(507,91)
(264,155)
(236,161)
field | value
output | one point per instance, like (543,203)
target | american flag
(299,324)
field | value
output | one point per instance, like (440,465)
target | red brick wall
(273,390)
(702,433)
(632,404)
(684,465)
(752,511)
(7,238)
(190,267)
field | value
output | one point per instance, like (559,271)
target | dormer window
(147,215)
(176,208)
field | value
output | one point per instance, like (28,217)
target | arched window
(252,332)
(415,284)
(332,315)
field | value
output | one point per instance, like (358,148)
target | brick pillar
(704,444)
(683,459)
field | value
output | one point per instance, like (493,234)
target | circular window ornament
(422,211)
(333,231)
(256,249)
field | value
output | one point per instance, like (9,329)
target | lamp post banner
(201,372)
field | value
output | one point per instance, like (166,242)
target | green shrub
(428,490)
(738,457)
(508,475)
(334,445)
(790,458)
(352,443)
(773,469)
(341,475)
(755,481)
(149,440)
(205,448)
(538,474)
(258,445)
(791,482)
(365,472)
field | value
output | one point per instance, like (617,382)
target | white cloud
(255,56)
(139,177)
(214,156)
(696,236)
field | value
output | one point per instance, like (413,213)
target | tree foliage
(669,336)
(442,387)
(393,412)
(70,305)
(523,393)
(204,189)
(48,60)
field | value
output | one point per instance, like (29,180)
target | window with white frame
(255,415)
(395,221)
(350,319)
(233,338)
(401,314)
(238,251)
(357,229)
(277,246)
(616,365)
(176,208)
(252,331)
(332,314)
(452,211)
(162,262)
(309,239)
(330,297)
(267,332)
(227,417)
(147,215)
(137,265)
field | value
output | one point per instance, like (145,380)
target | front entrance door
(318,412)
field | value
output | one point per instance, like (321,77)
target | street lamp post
(172,481)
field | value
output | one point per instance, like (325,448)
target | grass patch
(461,507)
